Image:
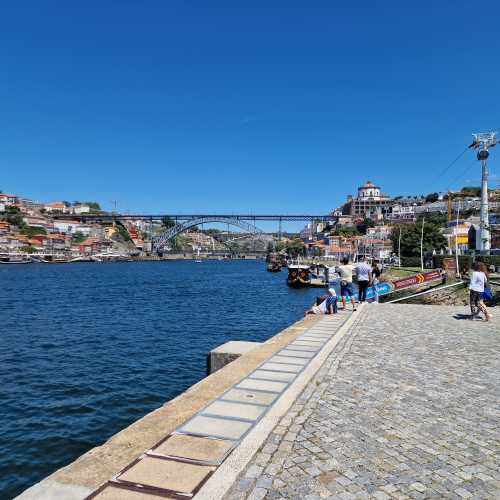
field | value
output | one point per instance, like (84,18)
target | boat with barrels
(274,267)
(298,275)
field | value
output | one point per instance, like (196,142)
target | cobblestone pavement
(407,406)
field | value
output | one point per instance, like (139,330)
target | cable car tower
(482,142)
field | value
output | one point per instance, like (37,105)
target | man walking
(364,274)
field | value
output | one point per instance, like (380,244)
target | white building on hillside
(80,209)
(56,207)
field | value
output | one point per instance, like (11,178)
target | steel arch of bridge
(160,241)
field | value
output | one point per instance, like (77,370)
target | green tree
(93,205)
(363,227)
(78,237)
(432,197)
(270,247)
(31,230)
(122,231)
(346,231)
(178,243)
(296,247)
(434,218)
(471,191)
(280,245)
(410,238)
(13,216)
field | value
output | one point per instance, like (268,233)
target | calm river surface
(87,349)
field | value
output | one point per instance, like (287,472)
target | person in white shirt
(364,274)
(346,288)
(477,283)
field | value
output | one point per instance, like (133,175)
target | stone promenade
(406,406)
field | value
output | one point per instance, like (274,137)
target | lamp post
(456,243)
(399,246)
(422,245)
(482,142)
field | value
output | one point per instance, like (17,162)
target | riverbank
(305,436)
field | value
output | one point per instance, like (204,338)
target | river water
(87,349)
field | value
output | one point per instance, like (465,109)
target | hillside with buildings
(38,229)
(367,223)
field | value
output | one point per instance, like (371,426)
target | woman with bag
(477,287)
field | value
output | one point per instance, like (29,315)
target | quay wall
(78,479)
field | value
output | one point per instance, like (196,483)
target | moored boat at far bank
(14,258)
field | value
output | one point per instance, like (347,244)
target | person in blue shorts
(346,286)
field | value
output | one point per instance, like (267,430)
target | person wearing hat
(325,304)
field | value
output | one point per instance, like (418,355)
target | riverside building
(370,202)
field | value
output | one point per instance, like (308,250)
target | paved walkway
(406,406)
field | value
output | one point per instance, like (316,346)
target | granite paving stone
(310,338)
(307,343)
(168,474)
(261,385)
(282,367)
(288,360)
(248,396)
(237,410)
(272,375)
(297,354)
(112,492)
(194,448)
(405,407)
(292,347)
(217,427)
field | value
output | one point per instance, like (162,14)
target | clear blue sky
(267,106)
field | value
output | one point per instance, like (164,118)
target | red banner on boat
(417,279)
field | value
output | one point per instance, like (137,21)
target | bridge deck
(187,217)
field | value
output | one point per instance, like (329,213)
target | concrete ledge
(53,490)
(78,479)
(226,353)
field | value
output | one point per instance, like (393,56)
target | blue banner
(383,288)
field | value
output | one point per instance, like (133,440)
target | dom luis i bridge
(183,222)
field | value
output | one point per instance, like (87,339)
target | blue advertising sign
(383,288)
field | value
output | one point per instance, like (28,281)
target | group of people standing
(366,275)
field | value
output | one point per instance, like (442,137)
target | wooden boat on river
(14,258)
(274,267)
(298,275)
